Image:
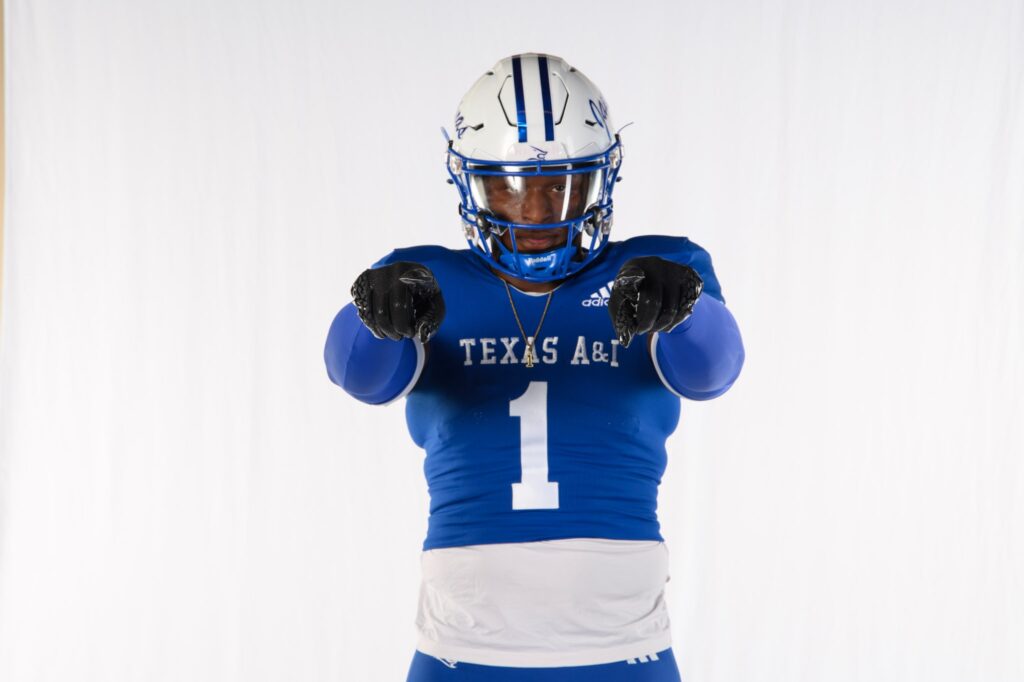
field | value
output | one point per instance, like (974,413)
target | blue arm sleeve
(702,357)
(372,370)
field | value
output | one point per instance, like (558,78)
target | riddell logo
(530,262)
(599,298)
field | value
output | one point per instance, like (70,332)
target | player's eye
(558,188)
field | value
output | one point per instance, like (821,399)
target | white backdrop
(193,186)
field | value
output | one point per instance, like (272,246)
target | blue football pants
(661,668)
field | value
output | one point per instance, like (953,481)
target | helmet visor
(535,199)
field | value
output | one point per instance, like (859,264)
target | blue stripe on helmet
(545,93)
(517,79)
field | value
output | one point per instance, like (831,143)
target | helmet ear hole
(591,223)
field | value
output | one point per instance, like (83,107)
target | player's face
(533,201)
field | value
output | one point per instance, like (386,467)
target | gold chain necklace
(531,355)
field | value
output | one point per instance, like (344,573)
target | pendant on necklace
(530,358)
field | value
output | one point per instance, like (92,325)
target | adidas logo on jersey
(599,298)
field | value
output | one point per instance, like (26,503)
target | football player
(542,369)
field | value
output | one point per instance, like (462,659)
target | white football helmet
(534,116)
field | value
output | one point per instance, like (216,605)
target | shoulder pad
(424,255)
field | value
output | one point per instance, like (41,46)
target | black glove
(400,300)
(651,294)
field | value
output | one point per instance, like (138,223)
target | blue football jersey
(573,446)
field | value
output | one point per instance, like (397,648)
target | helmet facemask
(567,198)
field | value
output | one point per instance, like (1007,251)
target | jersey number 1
(535,491)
